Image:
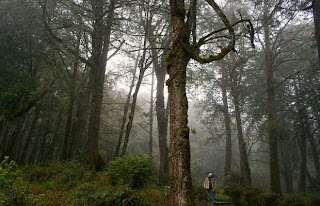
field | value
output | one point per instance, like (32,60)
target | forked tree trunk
(227,122)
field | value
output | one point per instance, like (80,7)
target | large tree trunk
(244,164)
(227,123)
(177,61)
(270,109)
(316,16)
(100,46)
(179,131)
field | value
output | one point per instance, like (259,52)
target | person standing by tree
(210,184)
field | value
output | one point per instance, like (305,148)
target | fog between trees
(76,80)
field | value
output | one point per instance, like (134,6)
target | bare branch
(117,50)
(224,51)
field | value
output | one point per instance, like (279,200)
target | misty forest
(152,102)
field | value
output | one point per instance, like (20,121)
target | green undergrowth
(128,181)
(250,196)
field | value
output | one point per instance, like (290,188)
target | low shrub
(200,193)
(271,199)
(154,195)
(235,191)
(251,196)
(134,171)
(242,195)
(234,176)
(123,197)
(13,189)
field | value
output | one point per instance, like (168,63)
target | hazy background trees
(70,73)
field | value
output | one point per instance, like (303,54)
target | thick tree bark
(177,61)
(272,131)
(100,47)
(227,123)
(316,16)
(244,163)
(179,131)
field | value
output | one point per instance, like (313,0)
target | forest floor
(71,183)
